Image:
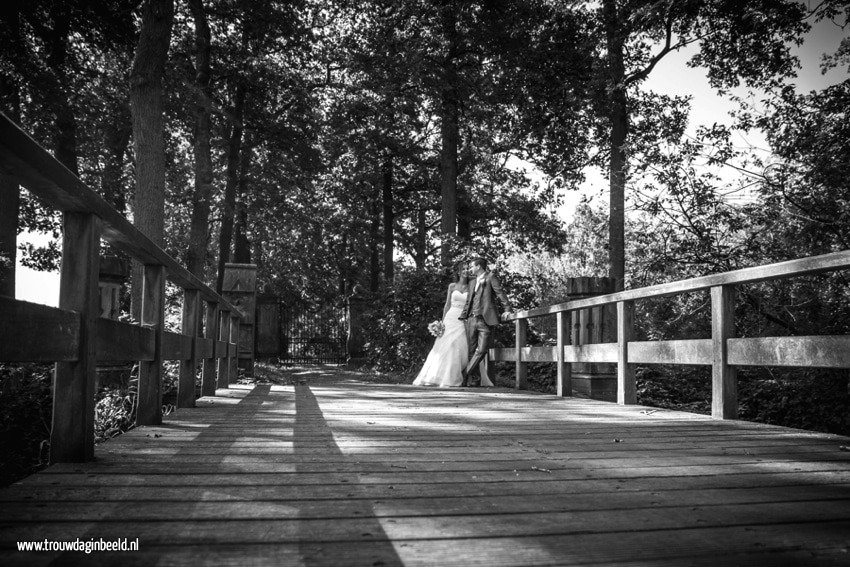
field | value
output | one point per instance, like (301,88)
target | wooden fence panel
(724,381)
(521,326)
(72,432)
(626,392)
(210,333)
(222,349)
(150,371)
(189,366)
(564,386)
(811,352)
(36,333)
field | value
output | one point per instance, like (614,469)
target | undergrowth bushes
(398,341)
(26,410)
(25,415)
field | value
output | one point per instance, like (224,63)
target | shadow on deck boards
(328,470)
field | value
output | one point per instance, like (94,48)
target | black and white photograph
(425,283)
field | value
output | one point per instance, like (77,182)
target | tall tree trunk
(344,266)
(10,193)
(374,255)
(464,216)
(148,131)
(234,150)
(389,216)
(619,121)
(65,134)
(116,141)
(421,247)
(449,135)
(199,229)
(241,244)
(10,199)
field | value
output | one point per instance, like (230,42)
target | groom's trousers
(480,336)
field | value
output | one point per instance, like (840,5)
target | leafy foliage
(25,414)
(397,326)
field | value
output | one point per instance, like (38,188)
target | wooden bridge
(329,469)
(326,468)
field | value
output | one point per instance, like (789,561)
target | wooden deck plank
(427,505)
(331,471)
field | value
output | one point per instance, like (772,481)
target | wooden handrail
(803,266)
(723,351)
(75,338)
(54,184)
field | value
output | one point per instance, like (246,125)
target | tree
(738,41)
(146,107)
(199,233)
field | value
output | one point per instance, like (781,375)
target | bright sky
(672,76)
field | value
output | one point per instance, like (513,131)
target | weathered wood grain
(602,352)
(564,386)
(724,380)
(521,367)
(696,351)
(190,326)
(332,471)
(123,342)
(233,348)
(222,350)
(72,431)
(805,351)
(176,346)
(37,333)
(803,266)
(149,411)
(626,391)
(209,378)
(204,348)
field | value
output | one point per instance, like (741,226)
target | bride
(450,353)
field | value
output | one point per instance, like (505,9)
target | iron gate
(302,335)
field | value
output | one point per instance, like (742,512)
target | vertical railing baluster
(224,362)
(208,380)
(150,371)
(234,338)
(521,327)
(189,366)
(564,386)
(626,388)
(72,433)
(724,378)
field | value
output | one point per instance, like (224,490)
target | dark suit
(481,310)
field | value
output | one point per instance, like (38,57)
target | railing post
(521,340)
(626,391)
(72,434)
(565,371)
(724,379)
(590,326)
(150,371)
(234,338)
(210,332)
(189,367)
(224,335)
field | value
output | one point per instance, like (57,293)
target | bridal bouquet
(436,328)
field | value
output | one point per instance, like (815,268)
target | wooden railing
(76,338)
(723,351)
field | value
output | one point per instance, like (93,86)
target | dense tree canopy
(337,143)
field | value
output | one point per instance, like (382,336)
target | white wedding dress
(450,353)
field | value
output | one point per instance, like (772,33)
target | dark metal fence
(311,335)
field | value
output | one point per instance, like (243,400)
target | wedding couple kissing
(469,319)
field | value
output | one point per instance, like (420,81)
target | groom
(480,309)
